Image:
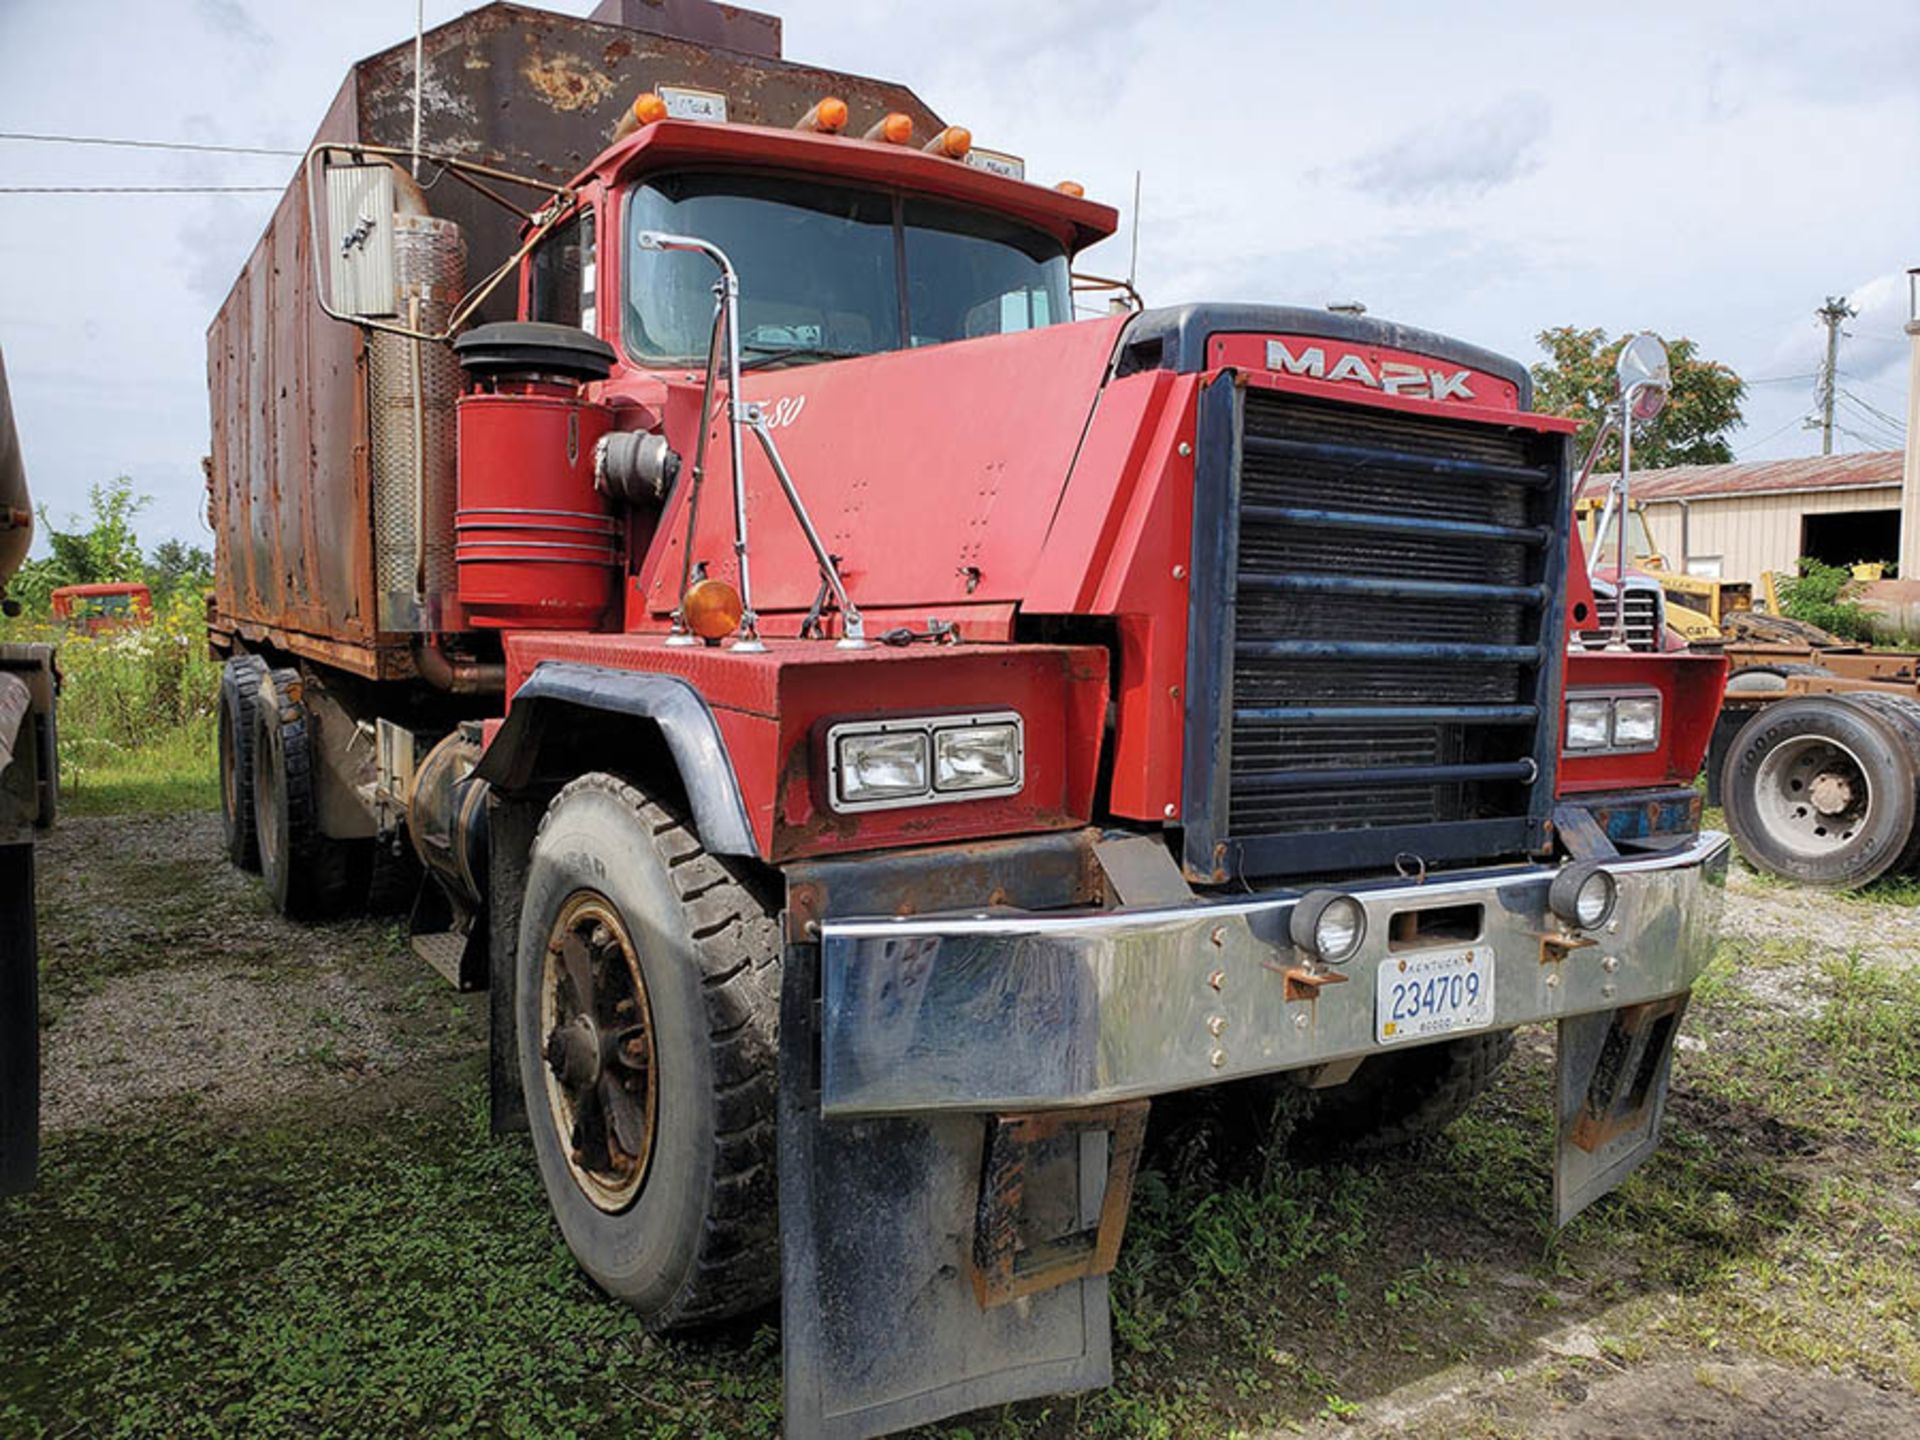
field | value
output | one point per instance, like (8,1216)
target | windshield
(827,272)
(1639,540)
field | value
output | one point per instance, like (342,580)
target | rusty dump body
(522,90)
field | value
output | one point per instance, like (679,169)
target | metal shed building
(1736,521)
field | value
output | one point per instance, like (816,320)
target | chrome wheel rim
(1814,795)
(597,1051)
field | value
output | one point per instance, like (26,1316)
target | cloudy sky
(1711,169)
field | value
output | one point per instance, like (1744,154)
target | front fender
(558,689)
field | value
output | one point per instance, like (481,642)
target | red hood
(934,474)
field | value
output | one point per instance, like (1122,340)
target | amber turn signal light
(711,609)
(827,117)
(953,142)
(893,129)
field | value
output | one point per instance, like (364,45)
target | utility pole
(1832,314)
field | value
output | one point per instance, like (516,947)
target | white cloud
(1459,155)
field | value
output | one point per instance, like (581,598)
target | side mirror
(1645,376)
(358,241)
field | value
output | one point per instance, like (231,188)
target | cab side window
(561,285)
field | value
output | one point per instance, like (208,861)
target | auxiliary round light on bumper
(1328,924)
(1583,894)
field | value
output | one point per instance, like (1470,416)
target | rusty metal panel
(290,512)
(750,32)
(262,501)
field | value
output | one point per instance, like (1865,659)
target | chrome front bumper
(1027,1011)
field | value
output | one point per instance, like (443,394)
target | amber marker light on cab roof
(646,108)
(711,609)
(827,117)
(952,142)
(892,129)
(1073,188)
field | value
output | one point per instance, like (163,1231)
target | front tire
(646,1002)
(1400,1096)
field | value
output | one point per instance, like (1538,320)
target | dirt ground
(271,1207)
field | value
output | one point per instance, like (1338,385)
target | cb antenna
(419,62)
(1133,260)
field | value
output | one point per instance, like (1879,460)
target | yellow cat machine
(1698,608)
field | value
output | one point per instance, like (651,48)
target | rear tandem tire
(239,698)
(307,875)
(1825,790)
(682,1225)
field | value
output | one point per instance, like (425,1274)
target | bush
(137,711)
(1817,597)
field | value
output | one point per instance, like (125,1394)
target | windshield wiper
(774,353)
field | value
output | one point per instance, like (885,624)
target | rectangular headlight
(1636,722)
(977,757)
(1589,724)
(879,766)
(925,760)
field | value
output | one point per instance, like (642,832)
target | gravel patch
(228,1041)
(1761,912)
(169,981)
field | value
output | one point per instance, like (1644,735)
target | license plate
(1433,992)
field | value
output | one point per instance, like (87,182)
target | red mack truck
(870,732)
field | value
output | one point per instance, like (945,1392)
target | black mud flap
(19,1023)
(912,1285)
(1612,1070)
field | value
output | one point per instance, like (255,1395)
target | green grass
(388,1271)
(170,772)
(136,713)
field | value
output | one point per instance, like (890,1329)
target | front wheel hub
(599,1049)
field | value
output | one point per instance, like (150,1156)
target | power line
(1869,431)
(1776,434)
(1898,390)
(1783,379)
(140,189)
(1872,410)
(1877,444)
(145,144)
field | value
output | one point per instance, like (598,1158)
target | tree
(176,567)
(105,550)
(1702,410)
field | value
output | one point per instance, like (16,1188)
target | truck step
(446,952)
